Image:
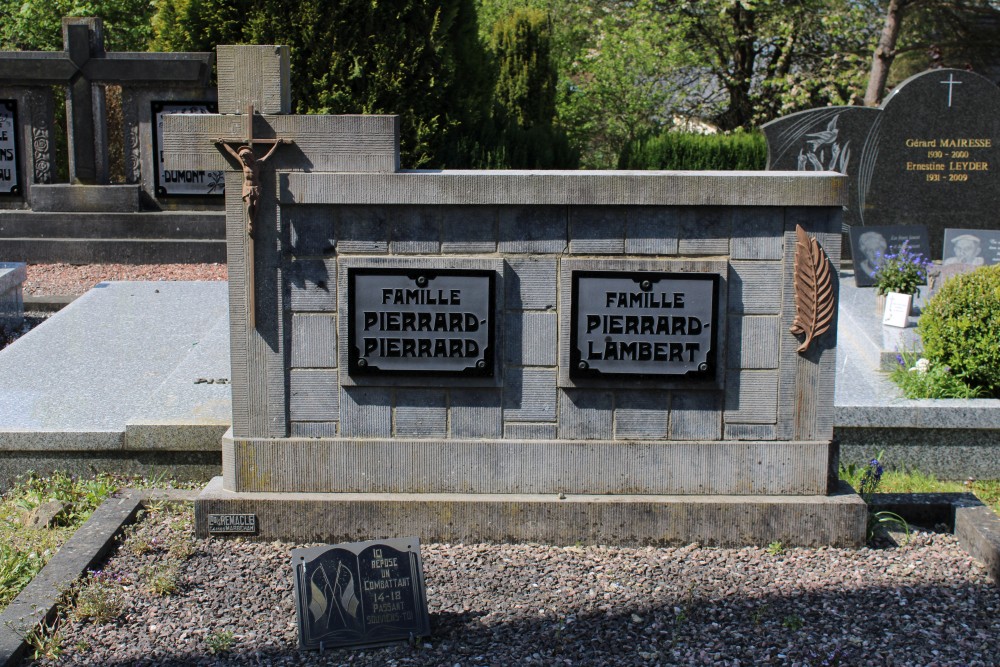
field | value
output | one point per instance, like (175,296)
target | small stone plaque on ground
(870,244)
(219,524)
(417,321)
(183,182)
(360,594)
(10,177)
(643,324)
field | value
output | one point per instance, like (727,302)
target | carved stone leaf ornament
(815,303)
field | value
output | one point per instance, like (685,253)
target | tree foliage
(36,25)
(421,59)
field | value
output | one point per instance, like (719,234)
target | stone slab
(623,520)
(124,353)
(528,466)
(113,250)
(38,601)
(85,198)
(12,277)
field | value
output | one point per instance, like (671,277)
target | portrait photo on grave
(870,244)
(968,249)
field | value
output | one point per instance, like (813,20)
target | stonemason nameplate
(232,523)
(360,594)
(10,178)
(183,182)
(643,324)
(433,321)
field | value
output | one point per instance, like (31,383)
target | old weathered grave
(929,155)
(613,357)
(88,219)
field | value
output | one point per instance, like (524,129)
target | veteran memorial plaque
(10,181)
(360,594)
(432,321)
(183,182)
(643,324)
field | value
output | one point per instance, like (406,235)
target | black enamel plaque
(10,174)
(183,182)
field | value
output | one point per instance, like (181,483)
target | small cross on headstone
(951,83)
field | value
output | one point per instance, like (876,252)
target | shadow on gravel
(940,624)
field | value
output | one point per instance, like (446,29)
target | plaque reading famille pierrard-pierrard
(433,321)
(643,324)
(360,594)
(10,177)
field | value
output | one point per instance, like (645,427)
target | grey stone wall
(534,248)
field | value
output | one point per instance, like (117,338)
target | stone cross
(257,78)
(80,66)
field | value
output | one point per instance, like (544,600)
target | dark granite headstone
(869,243)
(10,175)
(183,182)
(930,154)
(830,139)
(360,594)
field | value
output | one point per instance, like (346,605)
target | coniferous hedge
(741,151)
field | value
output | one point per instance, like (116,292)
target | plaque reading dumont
(432,321)
(360,594)
(643,324)
(183,182)
(10,181)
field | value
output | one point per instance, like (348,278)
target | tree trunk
(885,53)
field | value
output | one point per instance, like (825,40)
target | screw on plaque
(481,363)
(362,363)
(421,281)
(646,285)
(702,367)
(582,365)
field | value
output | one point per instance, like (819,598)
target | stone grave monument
(88,218)
(928,155)
(597,357)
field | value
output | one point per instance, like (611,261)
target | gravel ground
(927,603)
(63,279)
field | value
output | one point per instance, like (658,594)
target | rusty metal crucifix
(250,163)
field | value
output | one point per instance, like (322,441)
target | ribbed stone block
(586,414)
(531,283)
(416,231)
(469,229)
(314,429)
(258,75)
(421,413)
(758,233)
(695,416)
(529,394)
(749,432)
(314,341)
(755,288)
(312,285)
(642,415)
(529,431)
(476,413)
(597,230)
(364,229)
(366,412)
(752,397)
(652,230)
(537,229)
(705,231)
(531,338)
(313,395)
(753,342)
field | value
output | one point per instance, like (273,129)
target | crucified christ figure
(251,176)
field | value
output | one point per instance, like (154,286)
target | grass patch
(25,550)
(914,481)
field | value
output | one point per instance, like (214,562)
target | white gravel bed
(927,603)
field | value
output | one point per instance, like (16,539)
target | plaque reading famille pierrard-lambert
(183,182)
(360,594)
(433,321)
(643,324)
(10,178)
